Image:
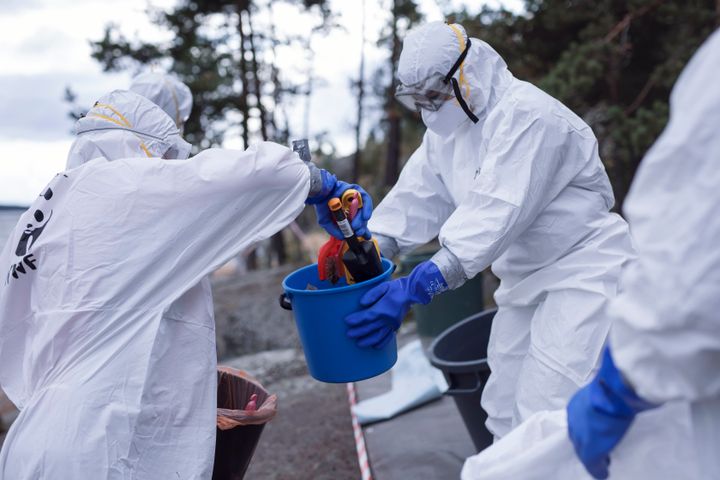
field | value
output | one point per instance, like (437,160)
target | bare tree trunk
(251,262)
(256,78)
(392,164)
(613,77)
(277,245)
(277,242)
(357,159)
(244,106)
(251,259)
(281,134)
(308,93)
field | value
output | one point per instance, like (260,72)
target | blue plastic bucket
(320,317)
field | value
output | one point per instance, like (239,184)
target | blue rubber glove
(325,218)
(600,414)
(386,305)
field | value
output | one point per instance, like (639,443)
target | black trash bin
(460,352)
(239,430)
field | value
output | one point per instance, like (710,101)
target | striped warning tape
(359,437)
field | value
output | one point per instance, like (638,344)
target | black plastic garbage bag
(239,428)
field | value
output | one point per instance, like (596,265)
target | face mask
(445,120)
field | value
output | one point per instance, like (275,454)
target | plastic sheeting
(414,382)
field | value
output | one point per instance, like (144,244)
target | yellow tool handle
(348,196)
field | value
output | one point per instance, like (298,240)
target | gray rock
(248,317)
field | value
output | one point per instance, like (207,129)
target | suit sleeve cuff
(450,268)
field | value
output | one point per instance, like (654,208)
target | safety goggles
(432,92)
(428,94)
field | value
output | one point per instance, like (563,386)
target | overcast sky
(44,48)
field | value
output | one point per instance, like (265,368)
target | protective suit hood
(432,49)
(124,124)
(166,91)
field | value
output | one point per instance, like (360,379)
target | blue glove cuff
(616,396)
(424,282)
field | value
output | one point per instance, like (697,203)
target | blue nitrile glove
(599,414)
(385,306)
(359,223)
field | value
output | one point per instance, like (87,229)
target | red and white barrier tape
(359,437)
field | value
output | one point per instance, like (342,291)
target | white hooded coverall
(107,339)
(524,190)
(666,322)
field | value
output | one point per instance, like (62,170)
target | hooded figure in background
(167,92)
(505,176)
(108,133)
(107,338)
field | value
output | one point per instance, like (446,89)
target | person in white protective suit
(166,91)
(505,175)
(107,338)
(665,340)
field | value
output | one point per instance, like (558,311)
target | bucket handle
(465,391)
(285,302)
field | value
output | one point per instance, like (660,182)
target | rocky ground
(311,437)
(248,317)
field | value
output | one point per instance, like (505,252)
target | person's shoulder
(112,180)
(697,87)
(709,51)
(532,105)
(529,116)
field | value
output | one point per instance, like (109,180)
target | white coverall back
(524,190)
(107,341)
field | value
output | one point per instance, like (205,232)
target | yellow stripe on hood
(461,41)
